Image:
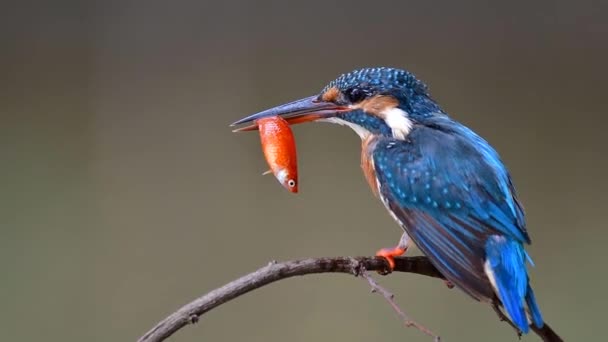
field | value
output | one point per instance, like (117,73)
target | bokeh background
(125,194)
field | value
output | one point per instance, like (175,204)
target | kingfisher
(445,186)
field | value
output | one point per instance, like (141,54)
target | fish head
(288,177)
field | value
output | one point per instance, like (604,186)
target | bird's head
(380,101)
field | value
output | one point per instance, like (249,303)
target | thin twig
(190,313)
(390,298)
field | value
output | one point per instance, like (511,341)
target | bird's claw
(389,255)
(385,271)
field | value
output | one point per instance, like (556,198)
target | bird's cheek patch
(385,107)
(377,105)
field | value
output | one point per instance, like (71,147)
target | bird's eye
(355,95)
(291,183)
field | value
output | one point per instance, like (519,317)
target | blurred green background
(125,194)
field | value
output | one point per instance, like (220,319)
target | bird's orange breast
(367,164)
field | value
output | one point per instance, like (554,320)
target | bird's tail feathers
(506,268)
(533,308)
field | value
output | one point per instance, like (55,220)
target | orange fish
(279,147)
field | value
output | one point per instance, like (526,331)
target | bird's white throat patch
(397,119)
(362,132)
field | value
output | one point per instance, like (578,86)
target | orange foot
(390,253)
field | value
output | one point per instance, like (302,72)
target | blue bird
(443,184)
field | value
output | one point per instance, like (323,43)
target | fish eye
(291,183)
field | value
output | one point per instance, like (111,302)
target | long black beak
(304,110)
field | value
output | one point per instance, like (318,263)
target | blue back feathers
(455,199)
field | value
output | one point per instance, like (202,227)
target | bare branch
(190,313)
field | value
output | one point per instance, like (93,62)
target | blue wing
(451,192)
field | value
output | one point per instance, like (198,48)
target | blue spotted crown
(378,79)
